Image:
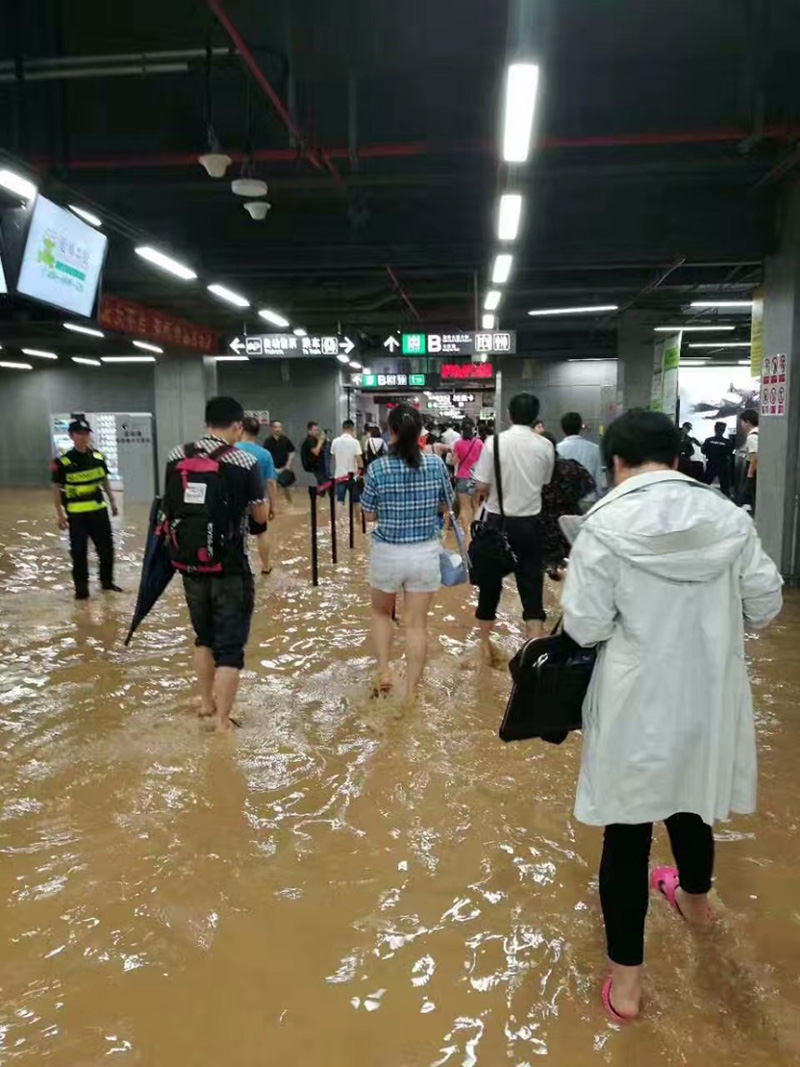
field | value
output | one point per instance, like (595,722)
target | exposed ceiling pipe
(401,291)
(269,91)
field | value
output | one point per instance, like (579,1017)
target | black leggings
(624,877)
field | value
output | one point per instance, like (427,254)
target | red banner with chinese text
(150,324)
(459,372)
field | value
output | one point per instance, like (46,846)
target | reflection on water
(339,883)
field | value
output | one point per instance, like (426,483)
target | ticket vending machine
(127,441)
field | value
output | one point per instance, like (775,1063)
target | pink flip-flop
(665,881)
(614,1015)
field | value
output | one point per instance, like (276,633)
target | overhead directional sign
(287,346)
(392,381)
(391,343)
(464,343)
(462,398)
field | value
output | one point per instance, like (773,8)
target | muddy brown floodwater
(338,884)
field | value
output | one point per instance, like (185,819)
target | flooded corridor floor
(338,884)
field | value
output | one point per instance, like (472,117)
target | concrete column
(635,339)
(778,504)
(183,384)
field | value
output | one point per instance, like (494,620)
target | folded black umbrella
(157,571)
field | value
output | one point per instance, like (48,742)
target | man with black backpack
(211,489)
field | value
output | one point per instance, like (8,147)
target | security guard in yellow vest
(79,479)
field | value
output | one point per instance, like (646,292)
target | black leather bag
(491,557)
(551,676)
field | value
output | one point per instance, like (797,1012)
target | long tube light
(167,263)
(720,344)
(694,329)
(87,362)
(502,267)
(298,331)
(522,83)
(229,296)
(15,183)
(594,310)
(87,216)
(721,304)
(492,301)
(127,359)
(274,318)
(11,365)
(39,353)
(509,213)
(488,321)
(147,347)
(82,329)
(343,358)
(231,359)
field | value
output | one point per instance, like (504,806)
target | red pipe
(399,288)
(425,148)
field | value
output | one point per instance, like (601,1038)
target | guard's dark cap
(79,426)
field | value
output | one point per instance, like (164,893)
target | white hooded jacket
(663,576)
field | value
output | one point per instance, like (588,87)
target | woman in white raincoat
(663,577)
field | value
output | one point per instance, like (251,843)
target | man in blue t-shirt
(266,466)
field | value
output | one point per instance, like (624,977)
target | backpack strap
(218,453)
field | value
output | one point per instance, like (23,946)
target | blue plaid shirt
(406,499)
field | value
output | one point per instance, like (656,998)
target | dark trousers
(625,882)
(94,526)
(526,537)
(724,475)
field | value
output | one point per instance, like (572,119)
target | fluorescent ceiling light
(721,304)
(694,329)
(87,362)
(508,216)
(38,352)
(82,329)
(232,359)
(502,267)
(492,301)
(229,295)
(743,362)
(148,347)
(595,310)
(522,82)
(694,362)
(592,359)
(298,331)
(87,216)
(355,364)
(127,359)
(158,259)
(720,344)
(274,317)
(15,183)
(342,358)
(10,365)
(488,321)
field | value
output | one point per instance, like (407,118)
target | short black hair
(223,411)
(571,423)
(641,436)
(686,426)
(720,426)
(750,416)
(311,424)
(348,424)
(251,425)
(524,409)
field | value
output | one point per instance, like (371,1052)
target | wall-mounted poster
(774,384)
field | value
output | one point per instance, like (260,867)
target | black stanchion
(333,523)
(363,522)
(351,484)
(312,495)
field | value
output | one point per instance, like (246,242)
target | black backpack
(197,520)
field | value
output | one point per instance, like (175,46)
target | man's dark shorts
(221,610)
(343,488)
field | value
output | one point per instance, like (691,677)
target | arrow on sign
(347,345)
(236,345)
(391,343)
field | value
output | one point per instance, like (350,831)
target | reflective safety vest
(82,488)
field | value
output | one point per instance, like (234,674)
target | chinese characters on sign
(774,385)
(459,372)
(153,325)
(287,345)
(382,381)
(465,343)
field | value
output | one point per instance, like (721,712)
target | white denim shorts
(414,567)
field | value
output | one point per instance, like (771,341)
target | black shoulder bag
(490,555)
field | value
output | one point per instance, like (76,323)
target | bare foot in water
(492,656)
(383,685)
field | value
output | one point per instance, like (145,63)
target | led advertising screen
(63,259)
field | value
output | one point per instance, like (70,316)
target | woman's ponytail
(406,424)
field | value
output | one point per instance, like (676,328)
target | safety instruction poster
(774,385)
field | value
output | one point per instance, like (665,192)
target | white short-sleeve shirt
(345,451)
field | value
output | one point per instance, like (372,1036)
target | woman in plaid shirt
(405,493)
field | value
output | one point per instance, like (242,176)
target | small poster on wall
(774,385)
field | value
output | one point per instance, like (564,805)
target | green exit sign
(369,381)
(416,379)
(415,344)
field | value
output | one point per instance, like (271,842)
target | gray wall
(588,387)
(27,399)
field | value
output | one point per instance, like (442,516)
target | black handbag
(551,676)
(491,557)
(286,478)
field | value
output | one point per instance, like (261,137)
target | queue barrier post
(351,485)
(334,555)
(312,495)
